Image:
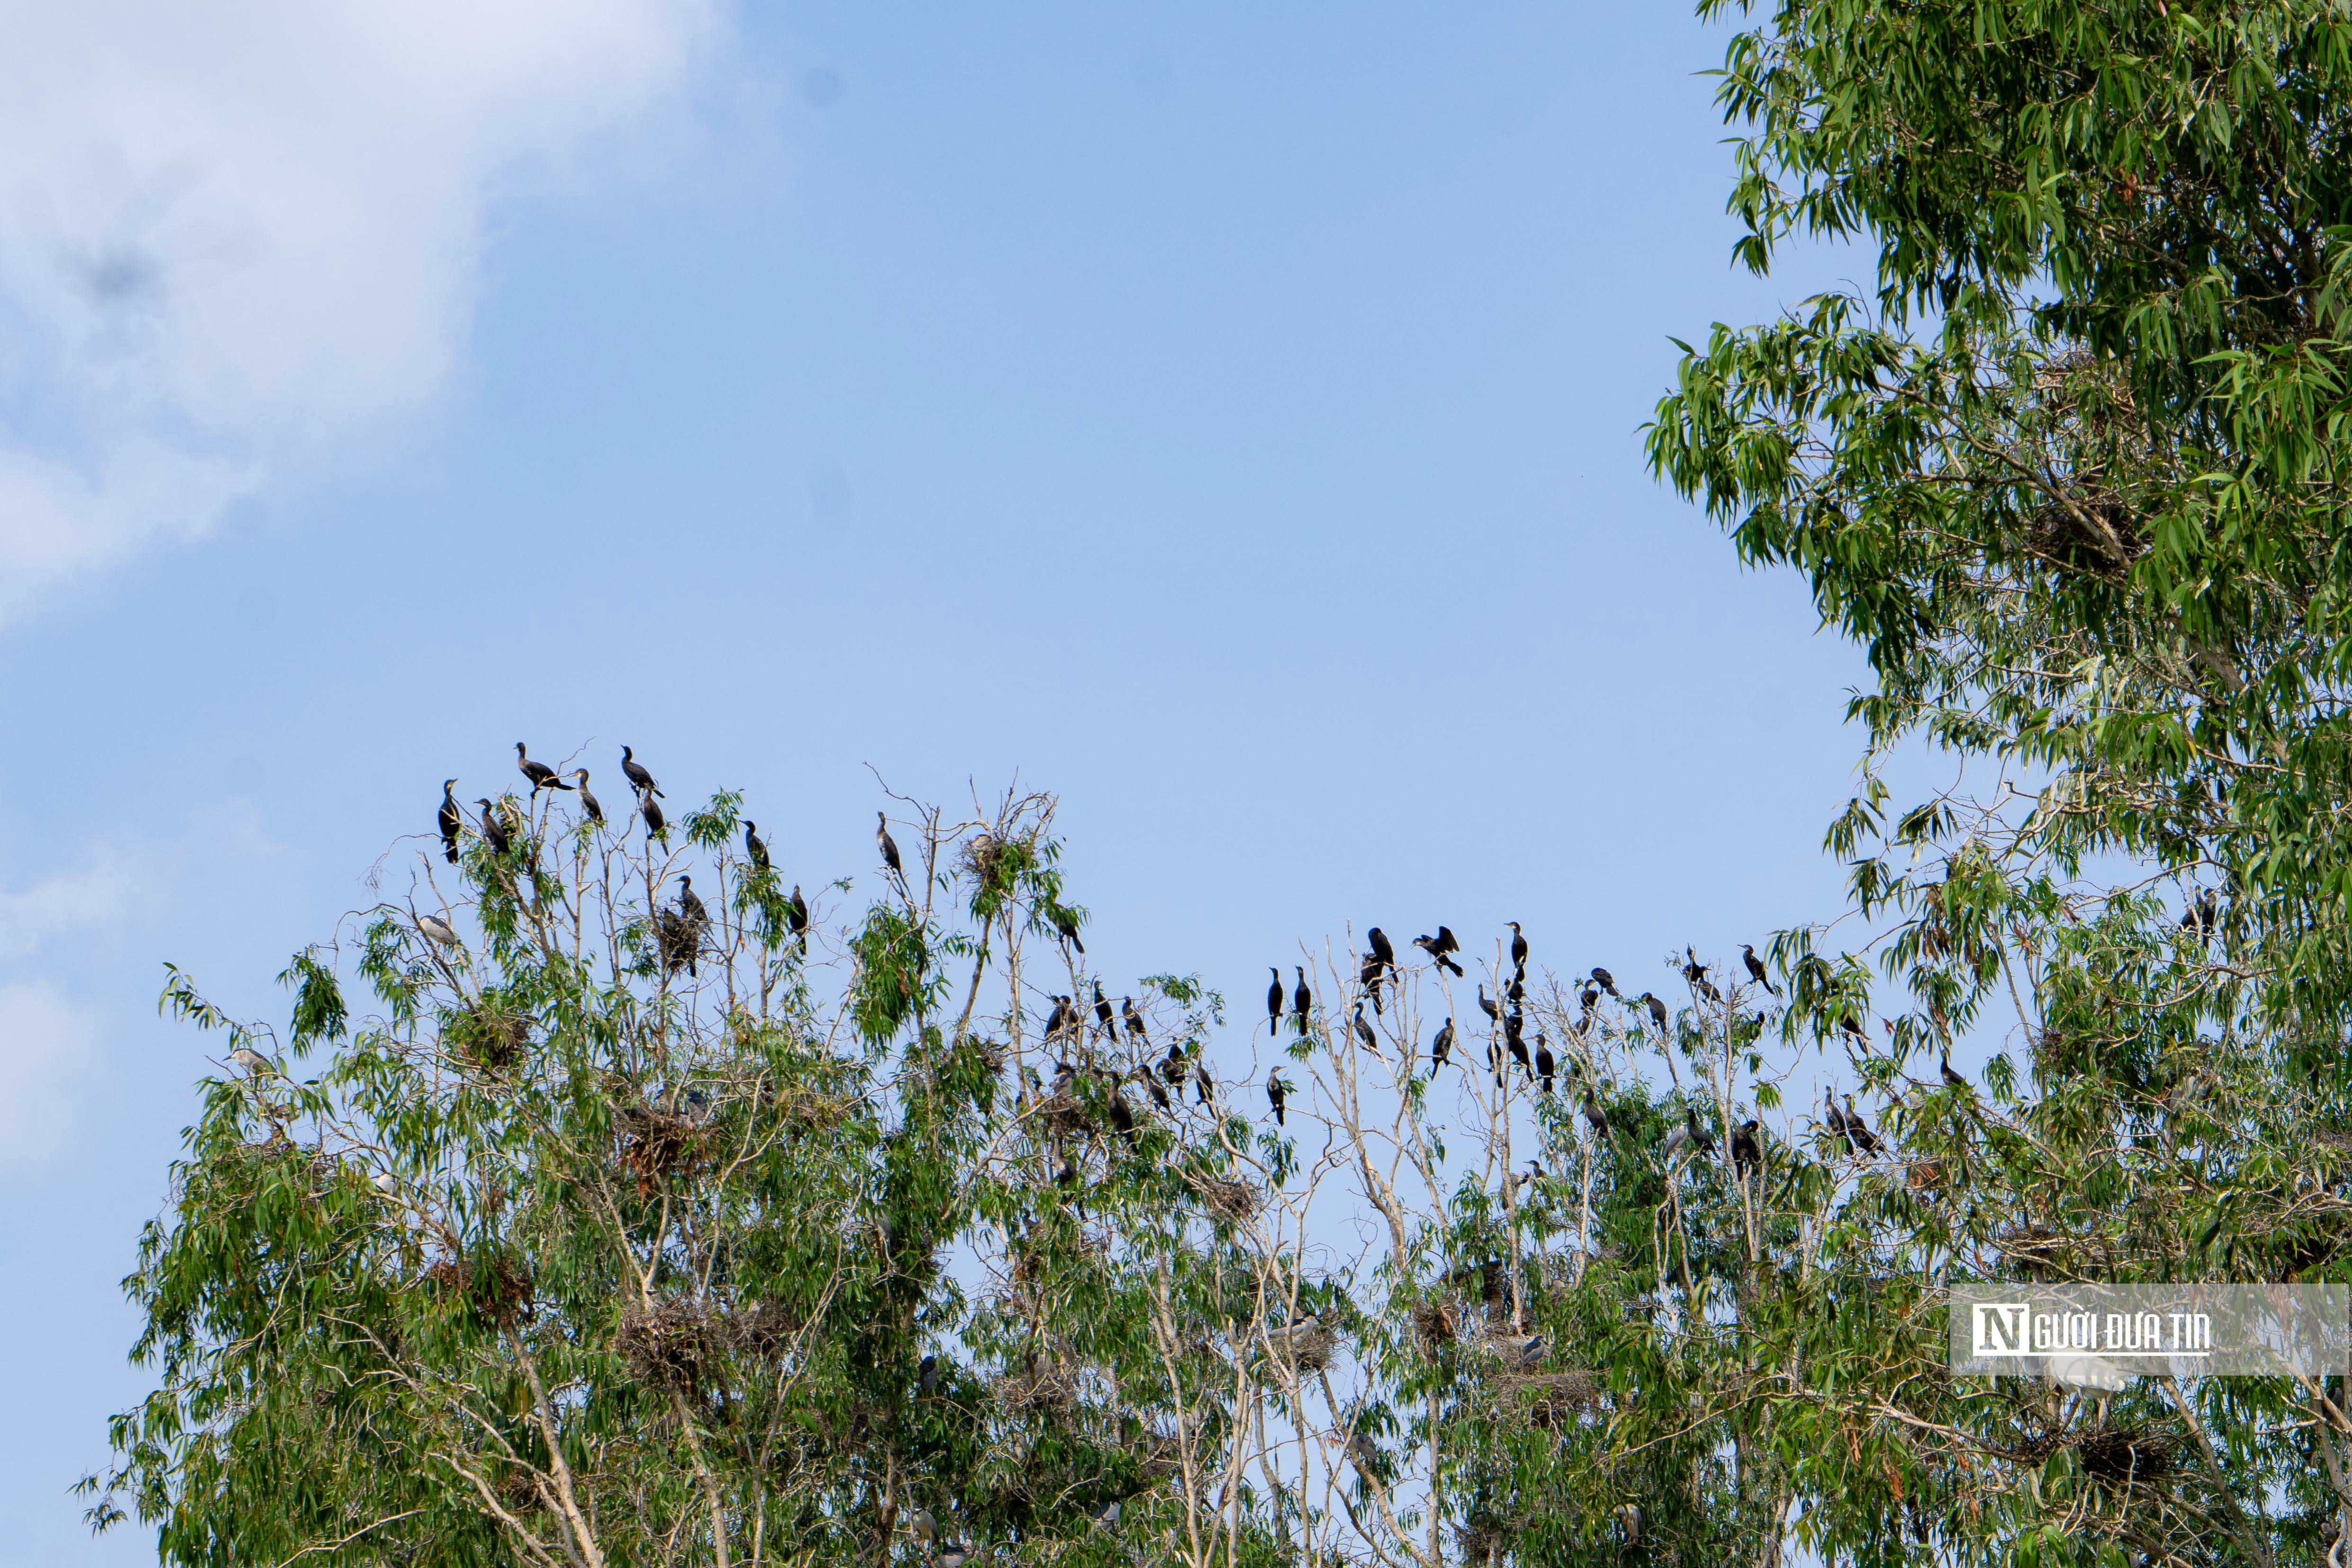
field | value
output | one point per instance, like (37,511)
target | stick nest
(657,1146)
(674,1344)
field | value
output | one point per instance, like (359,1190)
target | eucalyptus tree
(2072,473)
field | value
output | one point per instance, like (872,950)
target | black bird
(1591,997)
(541,776)
(448,819)
(1544,1063)
(1059,1018)
(797,915)
(494,828)
(1364,1031)
(889,846)
(1122,1115)
(1067,925)
(1951,1079)
(588,806)
(1693,970)
(1836,1118)
(1102,1013)
(1436,951)
(1700,1138)
(1851,1025)
(1172,1066)
(634,772)
(1657,1011)
(1518,945)
(690,905)
(1302,1002)
(1494,1013)
(1593,1115)
(1378,944)
(1441,1047)
(1512,1023)
(1602,978)
(1857,1131)
(655,822)
(1755,968)
(1159,1095)
(927,1376)
(752,844)
(1744,1150)
(1275,1090)
(1065,1077)
(1368,978)
(1201,1083)
(1134,1021)
(1517,989)
(1273,1001)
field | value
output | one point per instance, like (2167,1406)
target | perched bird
(1378,944)
(889,846)
(1693,970)
(698,1107)
(1367,976)
(797,915)
(1058,1019)
(1065,1077)
(1518,945)
(495,831)
(1437,949)
(1302,1002)
(249,1059)
(634,772)
(1275,1091)
(952,1555)
(1745,1152)
(1675,1138)
(1951,1079)
(1067,924)
(1364,1031)
(689,903)
(541,776)
(1122,1115)
(1512,1025)
(753,845)
(588,806)
(1442,1046)
(1851,1025)
(1544,1063)
(1494,1013)
(439,930)
(1102,1013)
(1700,1138)
(927,1376)
(1517,990)
(1159,1095)
(1657,1011)
(385,1182)
(1589,999)
(1134,1022)
(449,819)
(2202,915)
(1857,1131)
(1593,1115)
(652,813)
(1602,978)
(1755,968)
(1273,1001)
(1836,1118)
(1172,1066)
(1201,1083)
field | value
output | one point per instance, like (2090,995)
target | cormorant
(1755,968)
(651,813)
(1700,1138)
(1951,1079)
(796,916)
(1593,1116)
(1275,1090)
(1172,1066)
(1201,1082)
(588,806)
(1857,1131)
(1066,923)
(1602,978)
(541,776)
(1745,1150)
(1159,1095)
(449,820)
(1657,1011)
(495,831)
(1693,970)
(1132,1019)
(689,904)
(753,846)
(634,772)
(1302,1002)
(1364,1031)
(1442,1046)
(1273,1001)
(1059,1018)
(1518,945)
(1544,1063)
(1512,1025)
(927,1376)
(1836,1118)
(1378,944)
(1437,950)
(1494,1013)
(1102,1013)
(889,846)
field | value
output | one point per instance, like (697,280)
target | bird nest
(1436,1325)
(494,1286)
(2124,1456)
(678,939)
(1924,1176)
(763,1328)
(1042,1386)
(674,1344)
(1549,1399)
(656,1145)
(1309,1347)
(1484,1539)
(2036,1249)
(489,1037)
(1235,1201)
(2091,533)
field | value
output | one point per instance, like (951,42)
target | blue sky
(1226,416)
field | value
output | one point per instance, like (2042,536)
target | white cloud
(240,243)
(52,1050)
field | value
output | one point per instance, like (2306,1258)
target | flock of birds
(1507,1036)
